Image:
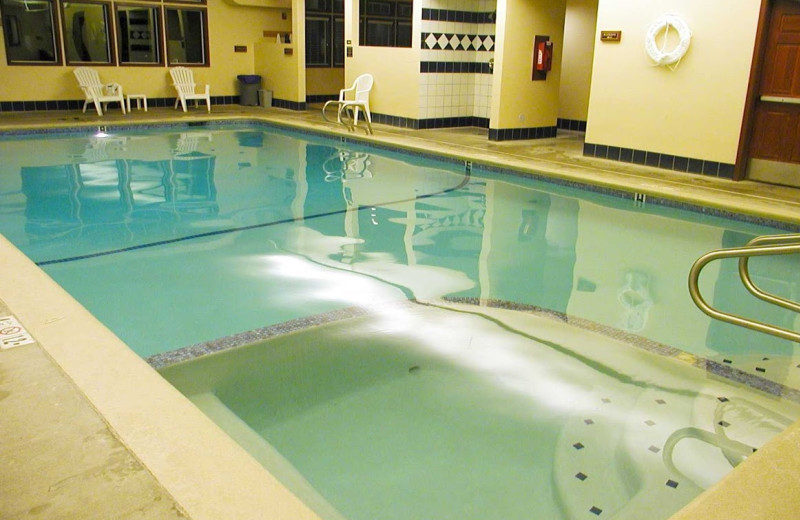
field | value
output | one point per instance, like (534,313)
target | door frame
(753,87)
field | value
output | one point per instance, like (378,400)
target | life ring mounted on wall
(659,55)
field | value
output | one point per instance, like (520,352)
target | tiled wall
(457,44)
(660,160)
(77,104)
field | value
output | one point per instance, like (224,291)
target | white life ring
(663,23)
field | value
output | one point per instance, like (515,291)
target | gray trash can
(248,89)
(265,98)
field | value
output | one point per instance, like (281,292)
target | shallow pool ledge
(207,474)
(764,487)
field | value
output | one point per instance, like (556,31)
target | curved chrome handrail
(347,109)
(778,247)
(744,273)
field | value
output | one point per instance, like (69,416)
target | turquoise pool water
(183,237)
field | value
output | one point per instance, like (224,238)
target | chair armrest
(113,89)
(344,91)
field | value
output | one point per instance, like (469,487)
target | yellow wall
(396,73)
(324,80)
(284,74)
(278,70)
(395,69)
(228,25)
(517,101)
(576,64)
(694,111)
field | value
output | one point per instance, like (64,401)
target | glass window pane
(380,33)
(86,32)
(338,42)
(403,34)
(138,35)
(29,31)
(186,36)
(317,30)
(385,23)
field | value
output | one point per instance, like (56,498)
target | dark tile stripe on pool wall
(77,104)
(659,160)
(571,124)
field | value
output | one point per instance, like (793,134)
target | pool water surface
(495,316)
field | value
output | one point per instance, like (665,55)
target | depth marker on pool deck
(12,333)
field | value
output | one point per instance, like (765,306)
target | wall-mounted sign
(610,36)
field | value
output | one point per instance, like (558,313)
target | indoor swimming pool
(400,336)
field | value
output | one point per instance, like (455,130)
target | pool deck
(84,429)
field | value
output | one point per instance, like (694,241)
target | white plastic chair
(358,95)
(183,81)
(96,92)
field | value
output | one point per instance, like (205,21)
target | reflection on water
(235,207)
(107,188)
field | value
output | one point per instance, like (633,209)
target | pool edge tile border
(242,339)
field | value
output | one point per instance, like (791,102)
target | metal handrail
(777,246)
(345,114)
(744,273)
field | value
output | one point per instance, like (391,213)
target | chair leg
(208,104)
(183,104)
(98,106)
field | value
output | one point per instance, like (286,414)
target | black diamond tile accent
(724,424)
(723,399)
(661,401)
(761,369)
(578,446)
(654,449)
(649,422)
(727,361)
(581,476)
(588,421)
(671,483)
(596,510)
(765,359)
(606,400)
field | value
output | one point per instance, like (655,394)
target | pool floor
(457,411)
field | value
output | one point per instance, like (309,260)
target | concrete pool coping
(210,477)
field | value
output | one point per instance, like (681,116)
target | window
(324,33)
(338,41)
(379,33)
(186,36)
(86,30)
(385,23)
(138,35)
(86,37)
(317,37)
(31,33)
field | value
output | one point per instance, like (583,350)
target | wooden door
(775,143)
